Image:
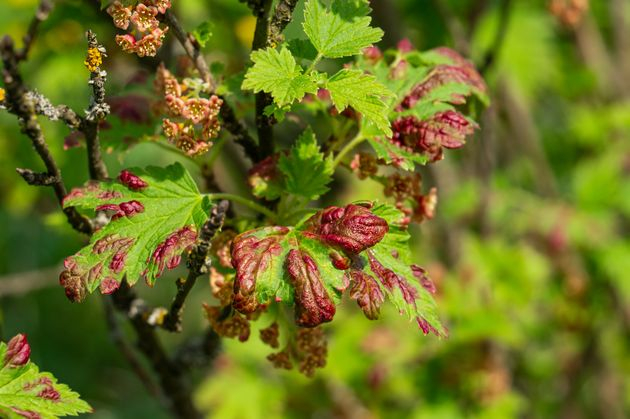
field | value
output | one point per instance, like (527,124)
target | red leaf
(252,255)
(313,304)
(353,228)
(367,292)
(18,352)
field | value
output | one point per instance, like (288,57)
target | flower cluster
(183,101)
(308,349)
(569,12)
(364,165)
(146,36)
(406,190)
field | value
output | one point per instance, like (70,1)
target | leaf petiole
(314,63)
(348,148)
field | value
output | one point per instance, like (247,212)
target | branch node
(37,179)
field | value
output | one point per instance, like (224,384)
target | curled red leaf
(353,228)
(447,129)
(313,305)
(423,278)
(367,292)
(168,253)
(18,351)
(252,255)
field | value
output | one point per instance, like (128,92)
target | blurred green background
(530,247)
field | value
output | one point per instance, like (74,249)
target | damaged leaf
(427,115)
(358,247)
(155,216)
(25,392)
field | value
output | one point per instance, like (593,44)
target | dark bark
(198,263)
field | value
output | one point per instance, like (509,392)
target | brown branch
(239,132)
(97,111)
(199,351)
(118,337)
(24,282)
(198,263)
(191,47)
(282,16)
(264,124)
(44,9)
(37,179)
(18,103)
(172,379)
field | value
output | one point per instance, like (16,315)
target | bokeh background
(530,247)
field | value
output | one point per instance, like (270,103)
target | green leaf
(363,93)
(341,30)
(27,392)
(157,213)
(203,33)
(306,169)
(278,74)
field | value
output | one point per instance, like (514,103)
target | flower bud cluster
(570,13)
(146,36)
(194,120)
(308,349)
(406,190)
(364,165)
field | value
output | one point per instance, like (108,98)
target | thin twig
(191,47)
(97,111)
(198,263)
(19,104)
(264,124)
(44,107)
(118,337)
(172,379)
(44,9)
(239,132)
(199,351)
